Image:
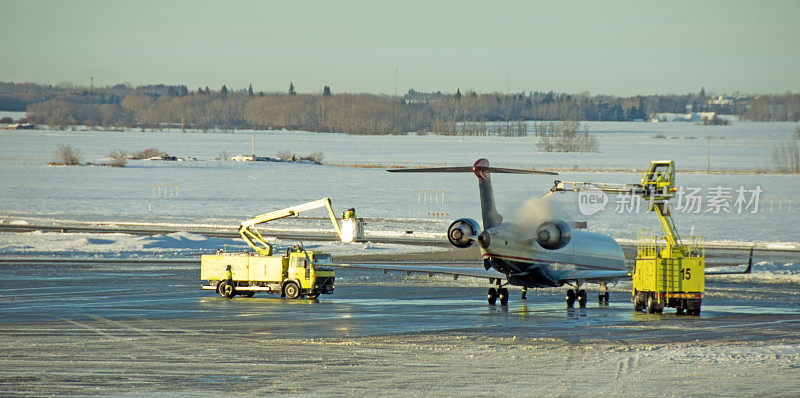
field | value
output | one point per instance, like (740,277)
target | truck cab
(312,277)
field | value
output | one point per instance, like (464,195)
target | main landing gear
(579,295)
(576,294)
(499,293)
(603,296)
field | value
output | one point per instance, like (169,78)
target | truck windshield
(323,259)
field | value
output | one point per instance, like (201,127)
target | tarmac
(147,328)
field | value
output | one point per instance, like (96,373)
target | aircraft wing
(455,272)
(592,275)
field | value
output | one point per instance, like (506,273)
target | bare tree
(564,136)
(286,155)
(786,157)
(66,155)
(118,154)
(148,153)
(316,157)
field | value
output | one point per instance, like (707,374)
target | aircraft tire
(582,298)
(492,296)
(570,298)
(503,296)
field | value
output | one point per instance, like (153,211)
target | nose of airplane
(483,239)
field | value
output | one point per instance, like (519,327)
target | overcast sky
(603,47)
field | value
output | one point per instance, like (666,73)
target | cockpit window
(323,259)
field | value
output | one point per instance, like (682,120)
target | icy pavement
(143,329)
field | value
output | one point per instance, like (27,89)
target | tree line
(171,105)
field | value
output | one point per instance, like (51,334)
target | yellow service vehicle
(295,274)
(666,277)
(298,273)
(668,272)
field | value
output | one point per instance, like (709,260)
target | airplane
(550,254)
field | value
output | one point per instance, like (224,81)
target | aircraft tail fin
(491,218)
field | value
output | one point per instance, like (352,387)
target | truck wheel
(651,305)
(227,290)
(248,294)
(312,295)
(638,302)
(291,290)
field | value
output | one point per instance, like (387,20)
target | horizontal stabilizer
(468,169)
(746,271)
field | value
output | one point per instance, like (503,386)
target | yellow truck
(295,274)
(665,277)
(669,271)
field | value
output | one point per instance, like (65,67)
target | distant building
(683,117)
(719,101)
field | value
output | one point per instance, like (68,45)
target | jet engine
(461,232)
(553,235)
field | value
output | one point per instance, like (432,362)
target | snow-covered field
(178,244)
(623,145)
(224,192)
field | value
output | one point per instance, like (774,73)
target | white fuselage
(512,251)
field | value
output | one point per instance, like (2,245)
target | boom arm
(657,187)
(251,235)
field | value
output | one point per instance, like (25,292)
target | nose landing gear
(499,293)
